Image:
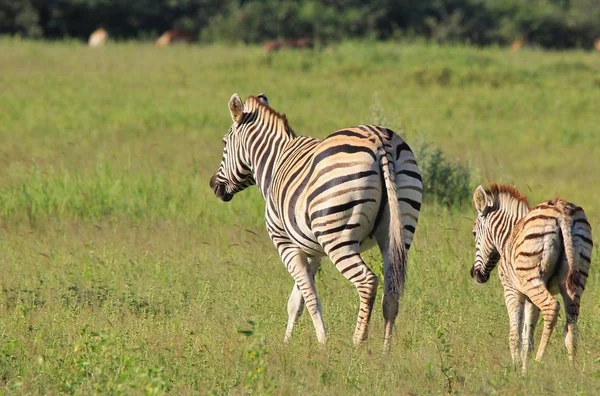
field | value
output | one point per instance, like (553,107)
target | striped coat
(542,252)
(357,188)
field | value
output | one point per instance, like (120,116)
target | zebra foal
(338,196)
(542,252)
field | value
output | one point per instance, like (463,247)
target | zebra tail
(396,247)
(573,272)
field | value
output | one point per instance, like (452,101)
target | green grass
(121,272)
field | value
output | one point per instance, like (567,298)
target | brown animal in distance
(273,45)
(302,43)
(174,37)
(276,45)
(517,45)
(597,44)
(97,38)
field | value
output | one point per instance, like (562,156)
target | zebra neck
(508,218)
(264,151)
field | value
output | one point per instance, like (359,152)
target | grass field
(121,272)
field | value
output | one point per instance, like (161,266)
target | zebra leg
(532,314)
(348,261)
(544,300)
(296,301)
(572,314)
(514,304)
(295,306)
(298,266)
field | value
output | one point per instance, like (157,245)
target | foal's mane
(498,190)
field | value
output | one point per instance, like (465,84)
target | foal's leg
(296,301)
(532,314)
(549,307)
(514,304)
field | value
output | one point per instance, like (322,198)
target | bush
(551,24)
(20,17)
(289,19)
(445,181)
(121,18)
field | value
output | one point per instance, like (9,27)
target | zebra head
(235,172)
(486,253)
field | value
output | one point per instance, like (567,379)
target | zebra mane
(499,190)
(254,103)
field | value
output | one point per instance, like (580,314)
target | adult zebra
(542,251)
(338,196)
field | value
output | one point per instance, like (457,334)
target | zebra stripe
(333,197)
(542,251)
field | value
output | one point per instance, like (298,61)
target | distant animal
(276,45)
(338,196)
(273,45)
(302,43)
(171,37)
(517,45)
(97,38)
(597,44)
(542,251)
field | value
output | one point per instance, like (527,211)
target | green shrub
(445,181)
(289,19)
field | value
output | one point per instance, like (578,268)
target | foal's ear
(482,200)
(235,107)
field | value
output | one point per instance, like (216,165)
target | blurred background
(547,23)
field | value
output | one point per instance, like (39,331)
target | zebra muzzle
(220,190)
(478,276)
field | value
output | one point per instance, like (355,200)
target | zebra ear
(481,200)
(235,107)
(263,98)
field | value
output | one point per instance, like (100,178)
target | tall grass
(39,194)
